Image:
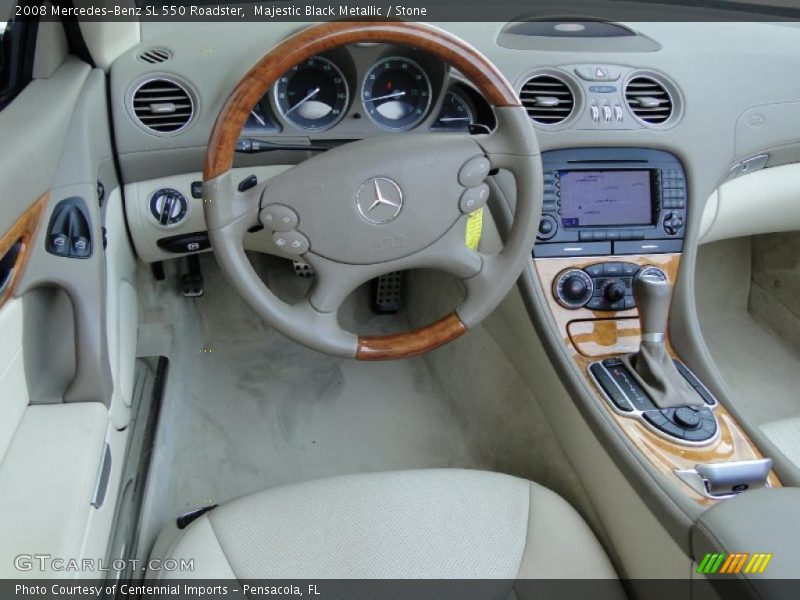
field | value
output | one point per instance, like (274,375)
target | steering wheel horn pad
(325,190)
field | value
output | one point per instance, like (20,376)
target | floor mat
(762,373)
(247,409)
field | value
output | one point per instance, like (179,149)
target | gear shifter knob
(652,291)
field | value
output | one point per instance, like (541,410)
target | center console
(608,254)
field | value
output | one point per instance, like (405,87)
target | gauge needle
(313,93)
(392,95)
(258,118)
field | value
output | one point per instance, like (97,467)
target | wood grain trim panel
(412,343)
(23,230)
(601,337)
(326,36)
(600,330)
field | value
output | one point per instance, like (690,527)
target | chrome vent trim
(649,100)
(548,99)
(154,56)
(162,105)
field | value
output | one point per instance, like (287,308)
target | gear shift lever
(652,365)
(652,292)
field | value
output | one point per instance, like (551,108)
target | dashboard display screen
(606,198)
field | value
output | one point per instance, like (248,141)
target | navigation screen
(605,198)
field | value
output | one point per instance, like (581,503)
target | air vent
(162,105)
(649,100)
(155,55)
(548,99)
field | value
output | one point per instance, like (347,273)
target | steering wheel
(375,206)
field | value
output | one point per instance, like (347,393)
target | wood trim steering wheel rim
(320,38)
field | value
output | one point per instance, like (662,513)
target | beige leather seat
(442,523)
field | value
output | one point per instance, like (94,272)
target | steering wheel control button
(474,171)
(291,242)
(278,217)
(379,200)
(573,288)
(474,198)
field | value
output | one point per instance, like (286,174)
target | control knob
(687,418)
(614,292)
(673,223)
(547,228)
(573,288)
(168,206)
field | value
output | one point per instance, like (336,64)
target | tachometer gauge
(312,95)
(455,115)
(396,93)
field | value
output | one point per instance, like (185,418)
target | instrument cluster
(361,90)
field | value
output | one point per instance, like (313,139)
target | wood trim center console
(592,335)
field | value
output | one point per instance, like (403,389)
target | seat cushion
(443,523)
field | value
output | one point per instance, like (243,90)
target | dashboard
(661,86)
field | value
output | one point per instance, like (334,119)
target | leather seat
(441,523)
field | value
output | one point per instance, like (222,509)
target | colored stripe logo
(739,562)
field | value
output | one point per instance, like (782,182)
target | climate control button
(573,288)
(614,292)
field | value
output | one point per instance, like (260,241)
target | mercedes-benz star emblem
(379,200)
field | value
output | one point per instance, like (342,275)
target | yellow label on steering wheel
(474,229)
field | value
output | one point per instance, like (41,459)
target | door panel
(64,396)
(33,129)
(12,373)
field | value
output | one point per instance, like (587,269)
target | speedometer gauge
(312,95)
(396,93)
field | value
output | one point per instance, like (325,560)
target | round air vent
(548,99)
(649,99)
(155,55)
(168,206)
(162,105)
